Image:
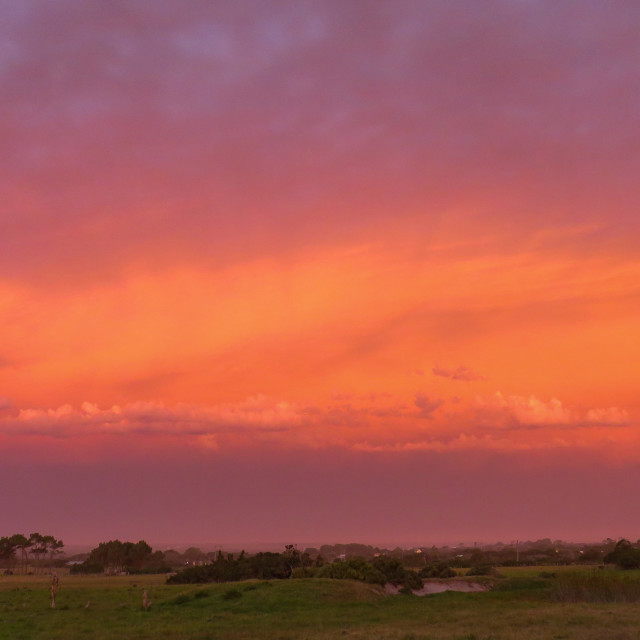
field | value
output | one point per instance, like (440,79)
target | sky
(320,270)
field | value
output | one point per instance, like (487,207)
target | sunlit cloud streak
(531,412)
(495,422)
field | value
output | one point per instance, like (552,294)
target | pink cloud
(494,422)
(612,416)
(531,412)
(255,415)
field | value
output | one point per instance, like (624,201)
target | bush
(625,555)
(392,569)
(261,566)
(193,575)
(438,570)
(412,580)
(116,556)
(352,569)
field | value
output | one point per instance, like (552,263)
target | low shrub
(437,570)
(625,555)
(396,573)
(412,580)
(352,569)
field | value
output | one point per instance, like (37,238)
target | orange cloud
(531,412)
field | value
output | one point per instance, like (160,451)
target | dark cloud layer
(128,124)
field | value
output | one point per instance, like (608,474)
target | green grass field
(299,609)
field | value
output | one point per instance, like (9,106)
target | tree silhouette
(21,542)
(38,546)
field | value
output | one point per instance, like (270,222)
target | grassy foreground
(297,609)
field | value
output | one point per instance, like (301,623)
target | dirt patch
(439,586)
(450,585)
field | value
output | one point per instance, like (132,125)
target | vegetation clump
(42,548)
(395,572)
(293,564)
(624,555)
(116,557)
(353,569)
(228,568)
(437,570)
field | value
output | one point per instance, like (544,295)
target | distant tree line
(32,553)
(16,549)
(116,557)
(526,553)
(403,568)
